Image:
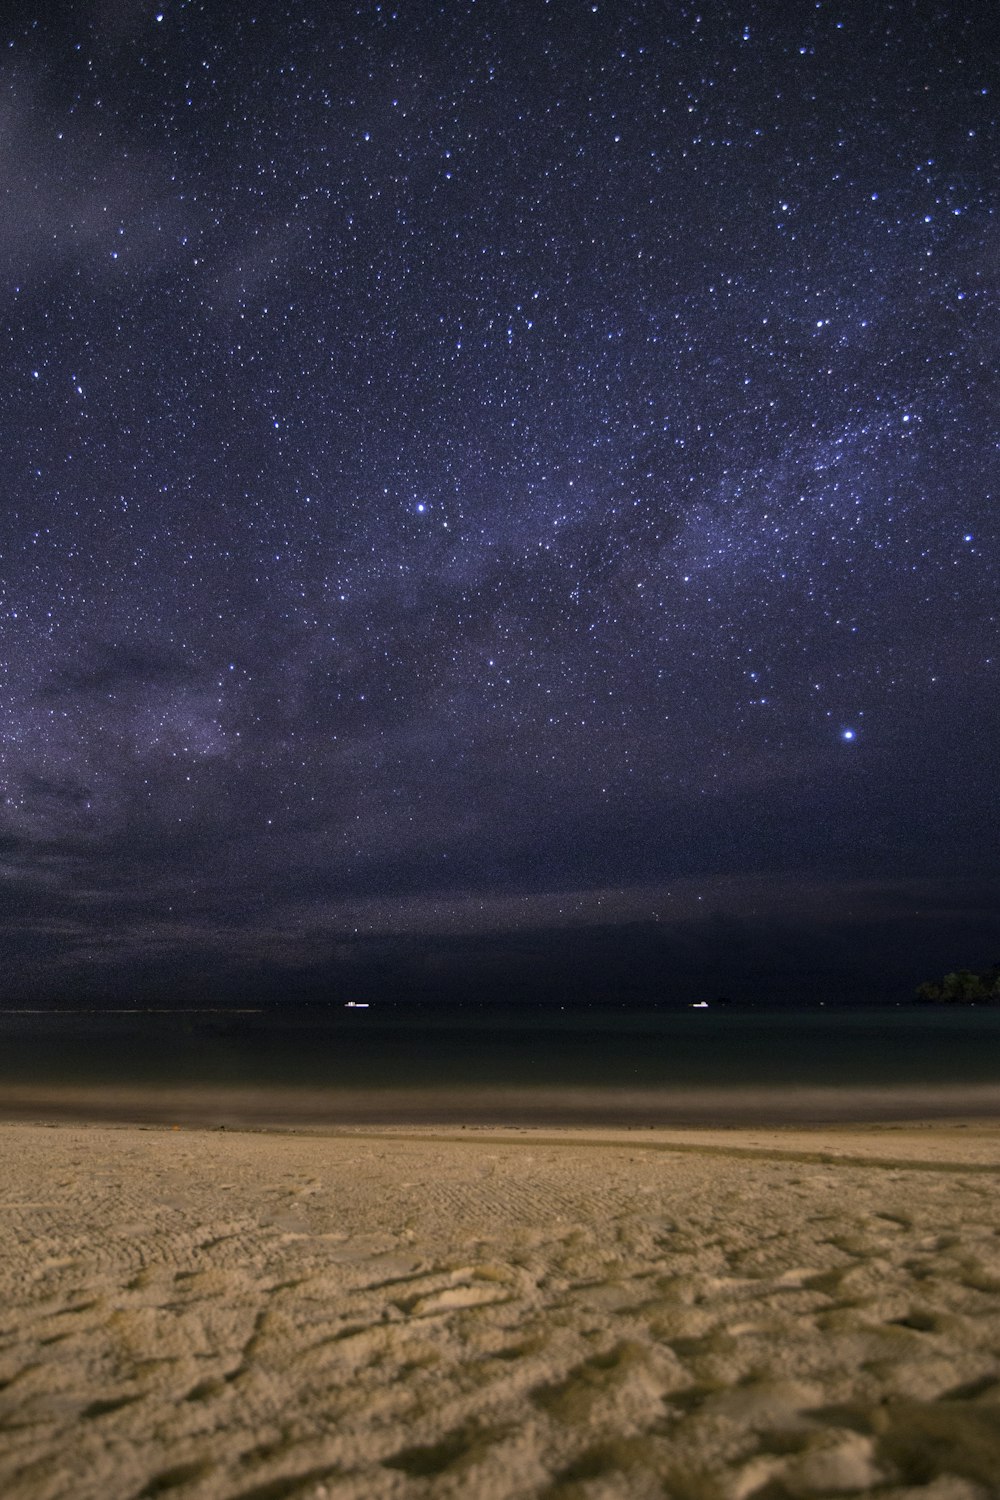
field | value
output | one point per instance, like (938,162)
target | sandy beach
(599,1314)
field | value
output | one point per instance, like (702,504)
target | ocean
(591,1064)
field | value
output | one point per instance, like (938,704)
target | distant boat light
(700,1005)
(356,1005)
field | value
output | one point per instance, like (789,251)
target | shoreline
(233,1106)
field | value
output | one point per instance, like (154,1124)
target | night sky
(508,480)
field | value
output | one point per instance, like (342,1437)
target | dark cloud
(105,667)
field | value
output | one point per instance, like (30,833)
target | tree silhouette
(964,987)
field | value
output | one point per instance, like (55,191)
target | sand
(704,1314)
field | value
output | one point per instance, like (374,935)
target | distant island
(964,987)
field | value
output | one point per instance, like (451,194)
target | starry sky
(477,469)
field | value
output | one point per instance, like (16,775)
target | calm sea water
(421,1047)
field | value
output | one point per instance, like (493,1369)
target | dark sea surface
(598,1064)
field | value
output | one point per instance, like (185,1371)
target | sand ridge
(711,1315)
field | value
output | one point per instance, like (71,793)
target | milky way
(475,463)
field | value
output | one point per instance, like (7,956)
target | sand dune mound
(197,1315)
